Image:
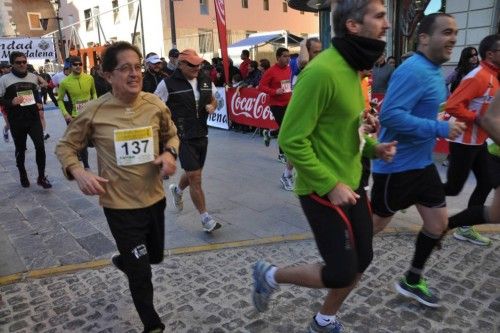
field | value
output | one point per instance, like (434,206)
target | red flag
(220,14)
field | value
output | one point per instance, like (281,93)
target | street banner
(220,14)
(33,48)
(219,117)
(250,107)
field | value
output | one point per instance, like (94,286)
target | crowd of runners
(327,127)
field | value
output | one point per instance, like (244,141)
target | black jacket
(150,81)
(189,115)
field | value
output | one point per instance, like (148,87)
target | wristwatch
(172,151)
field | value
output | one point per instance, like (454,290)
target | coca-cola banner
(250,107)
(219,117)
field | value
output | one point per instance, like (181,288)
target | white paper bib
(134,146)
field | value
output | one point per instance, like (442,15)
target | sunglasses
(21,62)
(190,64)
(473,55)
(76,64)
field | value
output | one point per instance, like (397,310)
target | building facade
(88,23)
(22,17)
(475,20)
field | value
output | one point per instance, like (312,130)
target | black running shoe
(44,182)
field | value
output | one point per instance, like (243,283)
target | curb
(95,264)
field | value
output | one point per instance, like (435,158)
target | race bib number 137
(134,146)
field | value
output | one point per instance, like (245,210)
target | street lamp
(44,22)
(172,24)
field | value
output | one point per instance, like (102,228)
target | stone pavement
(210,292)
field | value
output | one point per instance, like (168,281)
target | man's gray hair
(348,9)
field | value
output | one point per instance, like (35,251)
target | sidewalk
(45,229)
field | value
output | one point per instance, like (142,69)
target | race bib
(79,106)
(28,97)
(134,146)
(286,85)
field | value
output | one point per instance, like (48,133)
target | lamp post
(44,22)
(172,24)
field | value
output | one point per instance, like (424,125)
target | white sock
(324,320)
(287,173)
(270,277)
(204,216)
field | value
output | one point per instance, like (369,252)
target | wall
(475,20)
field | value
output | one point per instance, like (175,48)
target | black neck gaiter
(19,74)
(360,52)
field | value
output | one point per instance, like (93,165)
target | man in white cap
(189,95)
(152,75)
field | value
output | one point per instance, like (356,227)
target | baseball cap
(190,55)
(153,59)
(73,59)
(173,53)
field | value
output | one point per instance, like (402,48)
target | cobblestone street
(210,292)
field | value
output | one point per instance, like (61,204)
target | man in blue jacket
(416,94)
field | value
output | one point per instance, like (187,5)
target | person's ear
(352,26)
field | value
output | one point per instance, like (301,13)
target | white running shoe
(287,182)
(209,224)
(176,197)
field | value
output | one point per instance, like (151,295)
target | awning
(251,41)
(277,38)
(310,5)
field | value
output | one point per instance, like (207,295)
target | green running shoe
(418,291)
(470,234)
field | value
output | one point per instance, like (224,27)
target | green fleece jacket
(319,134)
(80,89)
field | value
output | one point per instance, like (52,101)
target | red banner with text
(250,107)
(220,14)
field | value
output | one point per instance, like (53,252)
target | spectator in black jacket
(152,75)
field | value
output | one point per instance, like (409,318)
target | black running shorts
(192,153)
(396,191)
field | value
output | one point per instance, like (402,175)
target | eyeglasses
(21,62)
(76,64)
(473,55)
(127,68)
(190,64)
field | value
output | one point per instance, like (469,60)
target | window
(302,12)
(249,32)
(34,21)
(204,7)
(244,3)
(205,39)
(266,4)
(87,13)
(116,11)
(285,7)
